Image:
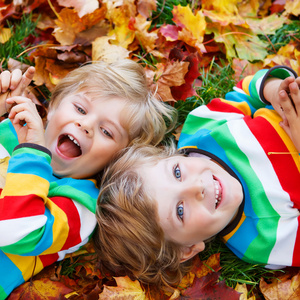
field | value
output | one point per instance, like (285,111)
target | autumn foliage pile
(175,41)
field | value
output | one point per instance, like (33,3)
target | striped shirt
(243,134)
(42,217)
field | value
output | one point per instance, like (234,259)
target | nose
(85,126)
(195,190)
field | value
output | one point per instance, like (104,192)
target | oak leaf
(125,289)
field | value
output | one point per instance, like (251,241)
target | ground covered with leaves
(192,51)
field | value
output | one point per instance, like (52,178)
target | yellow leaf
(3,171)
(227,7)
(103,50)
(242,288)
(192,26)
(5,35)
(126,289)
(292,7)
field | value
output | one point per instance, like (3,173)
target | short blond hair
(125,79)
(129,235)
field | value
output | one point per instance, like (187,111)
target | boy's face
(83,135)
(196,198)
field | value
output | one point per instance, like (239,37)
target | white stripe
(11,231)
(282,252)
(87,219)
(204,112)
(240,91)
(279,199)
(62,254)
(3,152)
(257,86)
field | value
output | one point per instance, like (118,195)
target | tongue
(68,148)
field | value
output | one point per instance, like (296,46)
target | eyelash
(180,215)
(106,132)
(80,109)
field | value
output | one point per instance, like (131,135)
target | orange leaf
(286,287)
(145,7)
(40,289)
(125,289)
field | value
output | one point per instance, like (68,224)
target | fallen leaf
(292,7)
(82,7)
(125,289)
(5,34)
(283,287)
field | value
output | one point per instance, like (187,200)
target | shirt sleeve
(31,223)
(250,89)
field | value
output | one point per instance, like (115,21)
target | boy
(47,206)
(238,179)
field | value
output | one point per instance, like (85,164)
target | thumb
(285,126)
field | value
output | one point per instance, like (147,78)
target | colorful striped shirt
(243,134)
(42,217)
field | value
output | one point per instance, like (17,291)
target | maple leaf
(277,6)
(283,287)
(208,287)
(145,7)
(239,42)
(244,68)
(40,289)
(192,27)
(125,289)
(242,288)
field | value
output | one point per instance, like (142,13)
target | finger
(16,76)
(295,95)
(285,83)
(286,105)
(5,77)
(25,81)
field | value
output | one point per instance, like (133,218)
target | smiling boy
(48,203)
(236,176)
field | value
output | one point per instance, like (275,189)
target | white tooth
(70,137)
(75,142)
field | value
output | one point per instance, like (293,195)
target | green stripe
(7,137)
(241,162)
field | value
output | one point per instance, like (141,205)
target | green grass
(17,43)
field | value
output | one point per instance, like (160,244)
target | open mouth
(218,192)
(69,146)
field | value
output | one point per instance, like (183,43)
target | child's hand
(13,84)
(289,101)
(26,120)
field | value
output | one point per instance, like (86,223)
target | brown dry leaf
(242,289)
(285,287)
(103,50)
(145,7)
(145,38)
(125,289)
(244,68)
(82,7)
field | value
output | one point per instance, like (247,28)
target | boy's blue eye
(180,211)
(177,172)
(81,110)
(106,132)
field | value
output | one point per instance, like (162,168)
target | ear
(190,251)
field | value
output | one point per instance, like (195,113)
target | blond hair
(129,235)
(125,79)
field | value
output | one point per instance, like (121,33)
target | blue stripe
(10,275)
(47,236)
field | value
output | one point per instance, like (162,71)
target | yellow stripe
(228,236)
(25,184)
(242,106)
(274,119)
(60,229)
(246,83)
(26,264)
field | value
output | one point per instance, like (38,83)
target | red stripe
(13,207)
(67,205)
(283,164)
(48,259)
(219,106)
